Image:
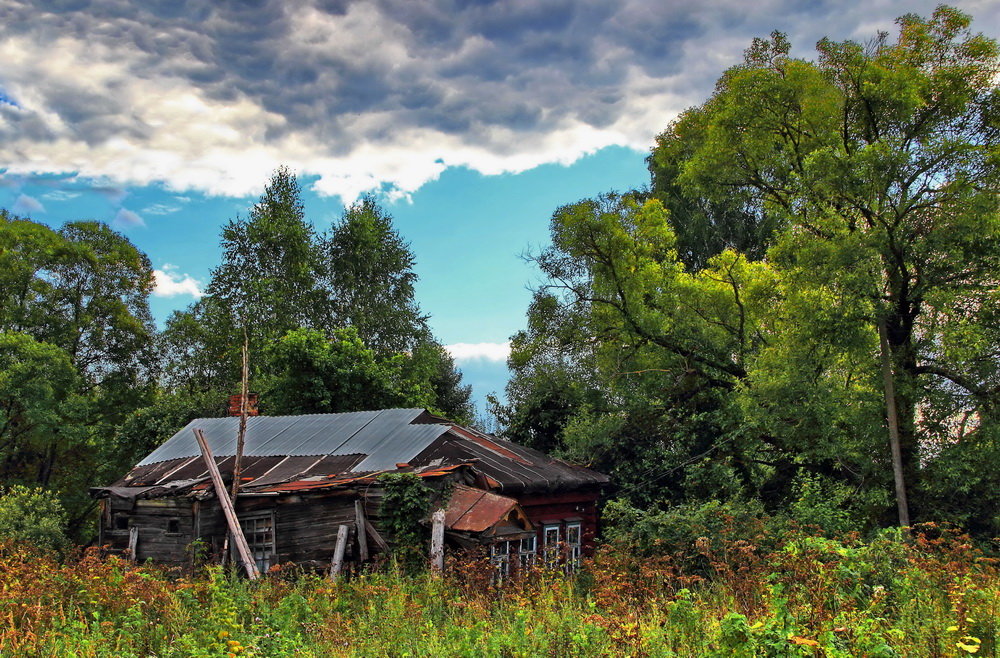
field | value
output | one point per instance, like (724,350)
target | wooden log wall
(561,506)
(153,519)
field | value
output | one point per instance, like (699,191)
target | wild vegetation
(763,594)
(795,325)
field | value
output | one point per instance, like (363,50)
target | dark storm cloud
(331,76)
(511,60)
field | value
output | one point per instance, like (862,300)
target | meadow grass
(928,594)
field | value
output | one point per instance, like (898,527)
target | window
(500,556)
(259,531)
(121,521)
(550,545)
(573,546)
(526,555)
(173,526)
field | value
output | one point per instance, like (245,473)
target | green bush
(34,516)
(689,531)
(822,503)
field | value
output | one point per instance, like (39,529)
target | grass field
(930,594)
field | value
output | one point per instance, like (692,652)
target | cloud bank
(381,94)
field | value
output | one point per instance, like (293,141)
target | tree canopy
(732,311)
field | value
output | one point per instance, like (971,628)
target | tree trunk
(892,418)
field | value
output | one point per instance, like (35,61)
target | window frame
(501,557)
(574,549)
(264,561)
(550,549)
(526,556)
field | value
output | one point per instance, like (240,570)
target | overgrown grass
(932,594)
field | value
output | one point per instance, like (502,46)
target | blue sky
(473,120)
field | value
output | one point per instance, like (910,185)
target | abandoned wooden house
(310,492)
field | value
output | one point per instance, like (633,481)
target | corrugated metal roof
(285,453)
(386,437)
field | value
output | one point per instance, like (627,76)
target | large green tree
(292,293)
(880,160)
(267,283)
(370,278)
(76,352)
(807,203)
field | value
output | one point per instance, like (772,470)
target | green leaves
(732,316)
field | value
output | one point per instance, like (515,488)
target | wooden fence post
(376,537)
(437,541)
(239,539)
(338,552)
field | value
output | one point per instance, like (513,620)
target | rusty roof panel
(475,510)
(345,480)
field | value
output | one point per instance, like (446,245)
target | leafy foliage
(315,375)
(33,516)
(403,511)
(369,271)
(722,327)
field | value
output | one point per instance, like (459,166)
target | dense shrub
(34,516)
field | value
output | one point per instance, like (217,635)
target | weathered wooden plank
(437,541)
(133,542)
(376,536)
(359,520)
(227,507)
(338,551)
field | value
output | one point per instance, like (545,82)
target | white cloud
(125,218)
(169,283)
(61,195)
(479,351)
(160,209)
(26,205)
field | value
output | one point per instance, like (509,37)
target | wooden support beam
(437,541)
(376,537)
(133,543)
(338,552)
(235,531)
(359,520)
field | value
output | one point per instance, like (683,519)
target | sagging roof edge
(342,482)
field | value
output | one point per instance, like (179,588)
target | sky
(471,121)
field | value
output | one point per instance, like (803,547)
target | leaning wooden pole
(241,435)
(892,418)
(239,540)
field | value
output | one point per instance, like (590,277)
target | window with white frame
(528,549)
(574,545)
(550,545)
(500,556)
(259,532)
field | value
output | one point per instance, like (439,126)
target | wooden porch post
(133,543)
